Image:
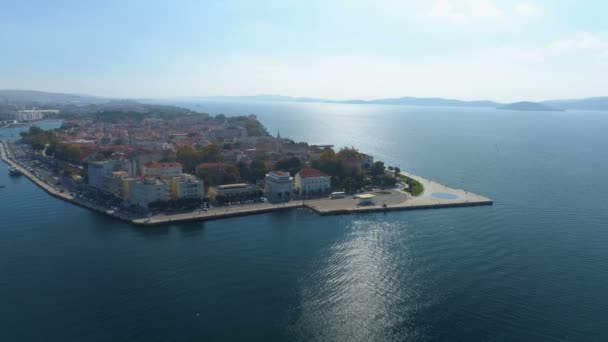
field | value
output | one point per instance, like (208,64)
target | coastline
(387,200)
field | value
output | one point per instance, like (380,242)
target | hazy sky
(468,49)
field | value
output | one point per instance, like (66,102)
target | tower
(278,143)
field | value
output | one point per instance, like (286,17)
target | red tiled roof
(159,165)
(280,173)
(308,171)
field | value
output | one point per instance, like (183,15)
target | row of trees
(39,139)
(190,157)
(291,165)
(347,173)
(227,174)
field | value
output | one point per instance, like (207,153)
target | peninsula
(150,164)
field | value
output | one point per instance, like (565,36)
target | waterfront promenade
(435,195)
(7,157)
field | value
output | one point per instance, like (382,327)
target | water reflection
(366,290)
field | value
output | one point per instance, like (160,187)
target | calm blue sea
(533,267)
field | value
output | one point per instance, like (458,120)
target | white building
(146,191)
(312,181)
(28,115)
(187,186)
(279,185)
(163,170)
(115,183)
(98,171)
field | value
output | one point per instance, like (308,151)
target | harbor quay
(435,195)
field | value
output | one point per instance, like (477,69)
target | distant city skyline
(460,49)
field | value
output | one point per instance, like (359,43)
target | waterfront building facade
(28,114)
(114,184)
(187,187)
(101,171)
(148,190)
(312,181)
(278,186)
(236,191)
(98,171)
(168,169)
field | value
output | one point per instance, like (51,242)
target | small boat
(13,171)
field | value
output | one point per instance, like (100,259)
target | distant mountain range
(411,101)
(28,96)
(529,106)
(596,103)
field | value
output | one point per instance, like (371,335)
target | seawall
(385,201)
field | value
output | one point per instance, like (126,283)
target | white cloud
(527,9)
(531,56)
(463,11)
(579,41)
(445,9)
(484,8)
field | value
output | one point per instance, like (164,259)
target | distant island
(529,107)
(39,99)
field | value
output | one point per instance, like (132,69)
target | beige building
(236,191)
(312,181)
(163,170)
(149,190)
(187,186)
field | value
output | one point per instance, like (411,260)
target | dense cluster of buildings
(138,160)
(27,115)
(156,183)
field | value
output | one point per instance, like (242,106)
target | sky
(334,49)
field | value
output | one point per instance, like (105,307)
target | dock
(435,195)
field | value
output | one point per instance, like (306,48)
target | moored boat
(13,171)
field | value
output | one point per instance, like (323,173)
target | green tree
(349,154)
(244,171)
(291,165)
(231,175)
(211,154)
(258,170)
(188,157)
(377,169)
